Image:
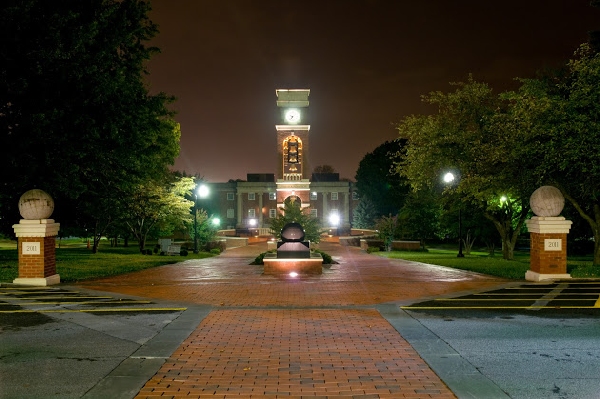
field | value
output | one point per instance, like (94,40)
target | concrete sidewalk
(340,334)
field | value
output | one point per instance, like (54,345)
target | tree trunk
(596,248)
(96,242)
(508,249)
(507,234)
(593,221)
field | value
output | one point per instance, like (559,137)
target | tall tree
(364,215)
(559,117)
(466,136)
(420,216)
(76,118)
(378,181)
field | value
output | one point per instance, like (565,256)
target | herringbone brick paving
(310,337)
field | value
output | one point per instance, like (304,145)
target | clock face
(292,116)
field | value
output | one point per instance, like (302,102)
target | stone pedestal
(278,266)
(548,248)
(37,255)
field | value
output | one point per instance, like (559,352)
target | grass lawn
(482,262)
(75,262)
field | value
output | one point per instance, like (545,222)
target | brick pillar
(36,248)
(548,248)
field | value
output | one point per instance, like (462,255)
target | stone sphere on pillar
(36,204)
(547,201)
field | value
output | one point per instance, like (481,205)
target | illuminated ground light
(293,274)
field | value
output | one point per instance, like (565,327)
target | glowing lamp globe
(36,204)
(547,201)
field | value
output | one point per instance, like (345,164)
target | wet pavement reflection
(357,278)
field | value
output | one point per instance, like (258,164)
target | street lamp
(449,179)
(201,192)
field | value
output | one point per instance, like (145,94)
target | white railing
(292,176)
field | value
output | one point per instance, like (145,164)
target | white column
(346,216)
(239,208)
(260,206)
(324,216)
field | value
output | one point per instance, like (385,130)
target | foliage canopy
(76,117)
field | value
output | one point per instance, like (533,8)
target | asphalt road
(530,340)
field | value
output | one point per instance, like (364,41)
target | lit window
(272,213)
(313,195)
(251,213)
(334,196)
(354,195)
(230,213)
(313,213)
(272,196)
(251,196)
(229,196)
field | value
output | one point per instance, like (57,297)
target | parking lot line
(95,310)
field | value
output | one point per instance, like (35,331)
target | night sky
(366,62)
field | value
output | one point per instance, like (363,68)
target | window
(354,195)
(272,213)
(229,196)
(230,213)
(313,213)
(251,213)
(313,195)
(251,196)
(272,196)
(334,196)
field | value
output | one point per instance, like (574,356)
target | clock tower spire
(293,145)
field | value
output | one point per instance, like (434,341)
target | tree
(467,135)
(420,215)
(76,117)
(559,117)
(324,169)
(364,215)
(291,212)
(388,230)
(377,180)
(159,207)
(205,229)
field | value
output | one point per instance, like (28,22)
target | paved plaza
(310,336)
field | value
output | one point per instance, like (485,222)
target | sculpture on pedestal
(36,235)
(548,233)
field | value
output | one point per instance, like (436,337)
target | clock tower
(293,146)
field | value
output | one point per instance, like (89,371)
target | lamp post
(448,179)
(201,192)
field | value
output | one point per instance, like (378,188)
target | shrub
(327,259)
(215,251)
(259,259)
(373,249)
(183,252)
(586,271)
(220,245)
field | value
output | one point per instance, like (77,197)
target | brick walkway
(278,337)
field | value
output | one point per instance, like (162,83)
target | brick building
(248,205)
